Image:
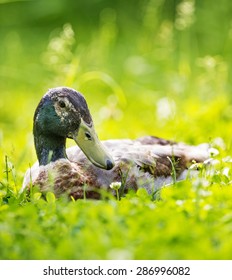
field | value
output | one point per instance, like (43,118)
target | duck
(90,168)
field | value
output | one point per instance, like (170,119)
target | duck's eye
(88,136)
(61,104)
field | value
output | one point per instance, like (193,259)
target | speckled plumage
(142,163)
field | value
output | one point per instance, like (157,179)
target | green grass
(189,220)
(131,62)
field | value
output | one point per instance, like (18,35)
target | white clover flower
(115,185)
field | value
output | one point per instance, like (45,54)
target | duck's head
(63,113)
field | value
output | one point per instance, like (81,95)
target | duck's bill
(86,138)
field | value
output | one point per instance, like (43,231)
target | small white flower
(115,185)
(213,152)
(226,172)
(180,202)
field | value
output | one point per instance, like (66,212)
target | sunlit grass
(153,82)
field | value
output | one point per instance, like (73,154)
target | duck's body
(147,162)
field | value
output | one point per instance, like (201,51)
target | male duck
(147,162)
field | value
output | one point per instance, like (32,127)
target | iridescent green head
(63,113)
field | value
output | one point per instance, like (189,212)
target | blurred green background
(160,67)
(146,67)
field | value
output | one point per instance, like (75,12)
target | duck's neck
(49,148)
